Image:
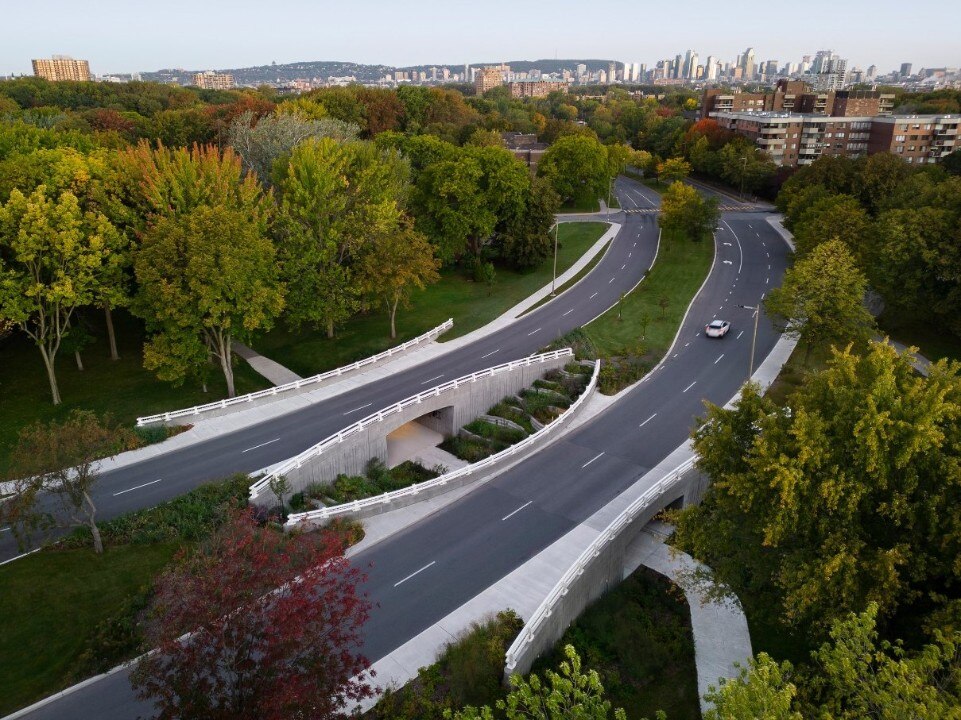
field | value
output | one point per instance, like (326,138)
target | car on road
(717,328)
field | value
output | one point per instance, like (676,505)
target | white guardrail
(412,490)
(593,551)
(297,384)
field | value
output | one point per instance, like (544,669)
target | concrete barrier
(598,569)
(191,415)
(473,473)
(443,408)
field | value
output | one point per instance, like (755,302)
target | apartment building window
(841,134)
(899,138)
(829,135)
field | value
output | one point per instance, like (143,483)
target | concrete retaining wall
(477,472)
(600,568)
(443,409)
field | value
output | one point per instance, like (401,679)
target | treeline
(902,225)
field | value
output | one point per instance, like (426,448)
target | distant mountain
(323,69)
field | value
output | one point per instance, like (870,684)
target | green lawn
(931,337)
(51,603)
(573,281)
(122,388)
(638,637)
(677,274)
(471,304)
(581,207)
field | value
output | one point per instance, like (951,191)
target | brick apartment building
(535,88)
(214,81)
(793,139)
(488,78)
(60,67)
(525,148)
(796,96)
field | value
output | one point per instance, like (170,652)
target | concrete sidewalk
(270,369)
(214,427)
(722,640)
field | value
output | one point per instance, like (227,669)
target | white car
(717,328)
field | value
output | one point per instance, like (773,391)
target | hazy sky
(131,35)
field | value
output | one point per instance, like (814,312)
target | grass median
(471,304)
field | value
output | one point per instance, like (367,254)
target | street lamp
(757,314)
(610,184)
(557,224)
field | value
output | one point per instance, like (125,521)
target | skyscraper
(747,64)
(710,70)
(692,66)
(906,70)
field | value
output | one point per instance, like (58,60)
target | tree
(856,675)
(337,199)
(526,241)
(280,487)
(821,298)
(54,259)
(845,500)
(761,691)
(55,470)
(261,143)
(394,265)
(673,170)
(256,624)
(744,166)
(686,211)
(205,278)
(577,168)
(571,694)
(833,217)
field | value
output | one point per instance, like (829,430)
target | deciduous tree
(577,168)
(673,170)
(256,624)
(685,210)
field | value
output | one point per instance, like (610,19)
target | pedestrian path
(270,369)
(722,640)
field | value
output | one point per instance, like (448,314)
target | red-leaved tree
(256,624)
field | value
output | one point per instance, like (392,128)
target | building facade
(793,139)
(214,81)
(486,79)
(535,88)
(60,67)
(797,96)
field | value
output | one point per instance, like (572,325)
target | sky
(131,35)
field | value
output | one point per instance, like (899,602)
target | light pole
(610,184)
(557,224)
(757,314)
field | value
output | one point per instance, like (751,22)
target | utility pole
(757,314)
(554,279)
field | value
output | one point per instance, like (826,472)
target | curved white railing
(297,384)
(412,490)
(593,551)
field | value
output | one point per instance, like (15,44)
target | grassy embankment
(470,304)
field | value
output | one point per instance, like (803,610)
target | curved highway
(468,545)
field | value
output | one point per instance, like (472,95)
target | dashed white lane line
(438,377)
(592,296)
(432,562)
(590,461)
(510,515)
(767,280)
(719,358)
(768,267)
(629,255)
(568,312)
(358,408)
(690,386)
(686,344)
(490,353)
(610,281)
(635,245)
(763,294)
(137,487)
(533,332)
(648,420)
(623,266)
(675,355)
(768,254)
(739,335)
(259,446)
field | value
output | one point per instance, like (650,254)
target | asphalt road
(468,546)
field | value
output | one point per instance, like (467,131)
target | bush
(467,449)
(498,433)
(618,373)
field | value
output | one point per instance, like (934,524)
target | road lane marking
(690,386)
(259,446)
(137,487)
(766,280)
(568,312)
(629,255)
(592,296)
(590,461)
(5,529)
(675,354)
(509,515)
(648,420)
(719,359)
(432,379)
(768,267)
(358,408)
(611,280)
(432,562)
(623,266)
(686,344)
(635,244)
(490,353)
(739,335)
(533,332)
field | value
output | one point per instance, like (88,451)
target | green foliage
(762,691)
(684,210)
(378,479)
(673,170)
(577,168)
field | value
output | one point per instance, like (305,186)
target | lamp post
(554,279)
(610,185)
(757,314)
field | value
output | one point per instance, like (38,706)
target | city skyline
(414,33)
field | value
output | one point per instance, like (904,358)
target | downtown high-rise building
(747,65)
